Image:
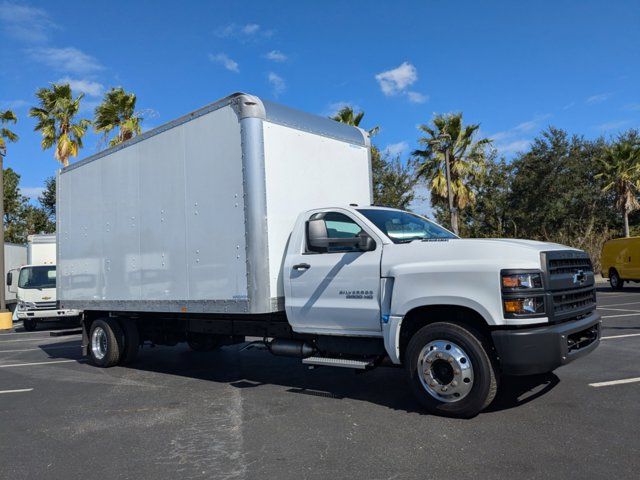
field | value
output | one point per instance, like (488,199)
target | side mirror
(366,243)
(9,279)
(10,286)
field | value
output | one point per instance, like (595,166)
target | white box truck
(14,257)
(34,285)
(247,218)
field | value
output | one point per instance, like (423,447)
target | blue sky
(515,67)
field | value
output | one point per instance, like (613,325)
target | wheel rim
(99,343)
(445,371)
(614,280)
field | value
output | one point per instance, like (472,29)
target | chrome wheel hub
(99,343)
(445,371)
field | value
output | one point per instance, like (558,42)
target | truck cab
(35,285)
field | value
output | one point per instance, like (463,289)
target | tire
(614,280)
(460,380)
(106,342)
(131,341)
(30,324)
(199,342)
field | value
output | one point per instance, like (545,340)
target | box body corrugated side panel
(158,225)
(305,171)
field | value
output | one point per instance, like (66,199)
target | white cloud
(278,84)
(396,149)
(250,31)
(25,23)
(614,125)
(513,147)
(32,192)
(333,108)
(13,104)
(276,56)
(398,79)
(633,107)
(88,87)
(517,138)
(599,98)
(416,97)
(68,59)
(224,60)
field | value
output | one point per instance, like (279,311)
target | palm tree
(348,116)
(117,110)
(6,135)
(620,171)
(466,159)
(56,121)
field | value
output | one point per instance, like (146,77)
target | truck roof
(251,106)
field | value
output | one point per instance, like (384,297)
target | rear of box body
(195,215)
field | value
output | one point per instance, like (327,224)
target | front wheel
(29,324)
(449,370)
(614,279)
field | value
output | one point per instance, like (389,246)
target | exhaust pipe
(291,348)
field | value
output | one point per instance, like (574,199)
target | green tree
(466,159)
(48,198)
(620,172)
(348,116)
(56,121)
(393,182)
(6,135)
(14,203)
(118,111)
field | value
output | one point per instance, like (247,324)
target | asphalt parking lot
(231,414)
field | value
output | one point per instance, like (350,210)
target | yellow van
(620,261)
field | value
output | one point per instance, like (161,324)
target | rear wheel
(106,342)
(449,370)
(29,324)
(614,279)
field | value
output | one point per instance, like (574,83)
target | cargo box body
(195,215)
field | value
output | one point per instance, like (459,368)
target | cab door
(334,289)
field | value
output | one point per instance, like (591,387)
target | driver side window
(338,225)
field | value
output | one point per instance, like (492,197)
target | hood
(466,254)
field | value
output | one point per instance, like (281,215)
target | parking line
(615,382)
(39,363)
(621,304)
(619,309)
(621,336)
(17,391)
(621,315)
(45,339)
(46,333)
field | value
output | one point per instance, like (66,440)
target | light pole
(445,140)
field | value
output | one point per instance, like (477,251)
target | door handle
(302,266)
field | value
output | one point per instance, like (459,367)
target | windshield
(38,277)
(404,227)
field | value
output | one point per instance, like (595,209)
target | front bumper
(47,314)
(543,349)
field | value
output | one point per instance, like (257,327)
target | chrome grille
(46,305)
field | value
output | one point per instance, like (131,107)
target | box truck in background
(34,285)
(247,218)
(14,257)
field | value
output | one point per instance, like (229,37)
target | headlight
(523,295)
(520,281)
(524,306)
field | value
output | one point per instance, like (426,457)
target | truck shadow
(252,370)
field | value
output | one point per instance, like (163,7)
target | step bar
(338,362)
